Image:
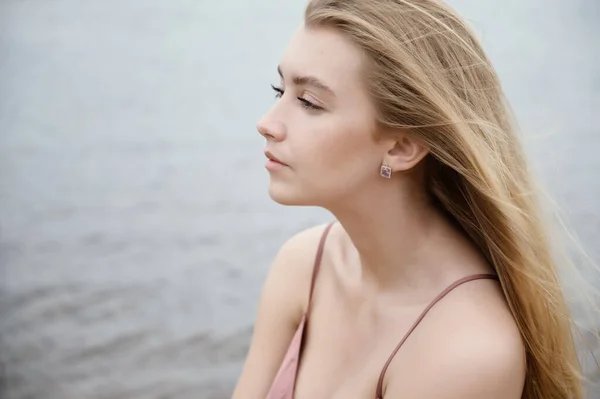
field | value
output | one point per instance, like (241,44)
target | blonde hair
(429,76)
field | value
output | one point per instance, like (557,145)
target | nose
(271,128)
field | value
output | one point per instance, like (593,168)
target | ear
(405,154)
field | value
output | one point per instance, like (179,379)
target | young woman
(436,278)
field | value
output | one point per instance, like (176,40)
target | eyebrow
(308,81)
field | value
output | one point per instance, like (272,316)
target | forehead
(325,54)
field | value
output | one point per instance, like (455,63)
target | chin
(284,197)
(290,196)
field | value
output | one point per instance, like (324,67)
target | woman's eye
(303,102)
(308,105)
(278,91)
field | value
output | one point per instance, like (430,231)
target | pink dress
(285,380)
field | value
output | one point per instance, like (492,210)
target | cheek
(342,158)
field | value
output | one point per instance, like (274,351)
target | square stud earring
(385,171)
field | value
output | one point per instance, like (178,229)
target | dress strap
(317,264)
(436,300)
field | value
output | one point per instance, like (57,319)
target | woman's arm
(283,300)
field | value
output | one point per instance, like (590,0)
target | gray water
(136,229)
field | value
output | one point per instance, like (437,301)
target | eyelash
(304,103)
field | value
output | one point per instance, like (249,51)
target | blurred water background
(136,229)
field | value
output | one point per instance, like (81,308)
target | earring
(385,171)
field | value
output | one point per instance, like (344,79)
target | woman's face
(321,125)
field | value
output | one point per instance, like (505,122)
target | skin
(388,256)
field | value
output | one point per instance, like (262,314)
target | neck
(392,233)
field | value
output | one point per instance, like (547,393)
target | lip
(273,159)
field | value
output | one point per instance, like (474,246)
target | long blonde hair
(429,76)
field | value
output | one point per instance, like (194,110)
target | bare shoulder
(283,300)
(473,349)
(293,265)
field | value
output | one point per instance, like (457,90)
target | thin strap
(436,300)
(317,264)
